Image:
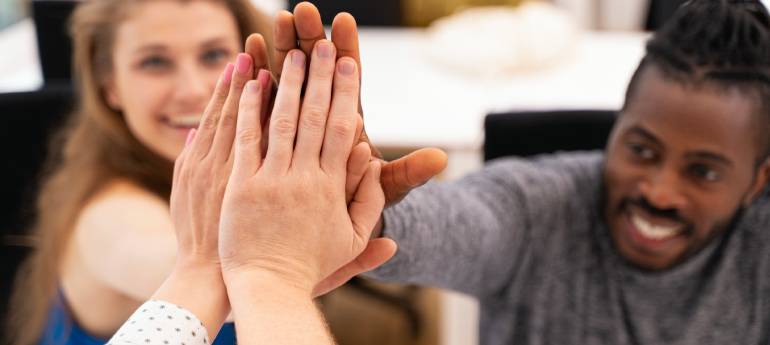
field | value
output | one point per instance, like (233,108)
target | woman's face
(167,58)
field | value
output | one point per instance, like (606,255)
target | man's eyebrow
(708,155)
(638,130)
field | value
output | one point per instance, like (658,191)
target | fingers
(413,170)
(257,49)
(342,121)
(345,37)
(378,251)
(357,165)
(308,25)
(210,120)
(182,156)
(315,106)
(248,155)
(368,202)
(223,139)
(285,37)
(283,121)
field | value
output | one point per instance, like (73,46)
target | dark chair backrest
(27,120)
(53,41)
(660,11)
(531,133)
(367,13)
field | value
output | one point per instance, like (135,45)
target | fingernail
(253,86)
(324,49)
(347,67)
(297,58)
(242,63)
(227,75)
(190,137)
(263,77)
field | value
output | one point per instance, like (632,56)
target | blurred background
(433,72)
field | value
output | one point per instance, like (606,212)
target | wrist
(199,288)
(269,281)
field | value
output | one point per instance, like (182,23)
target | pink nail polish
(263,77)
(227,75)
(242,63)
(190,137)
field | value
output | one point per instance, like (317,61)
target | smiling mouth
(183,122)
(655,232)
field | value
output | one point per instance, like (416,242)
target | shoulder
(122,209)
(552,174)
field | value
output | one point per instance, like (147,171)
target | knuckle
(210,122)
(322,73)
(347,88)
(313,118)
(227,120)
(284,126)
(248,135)
(342,127)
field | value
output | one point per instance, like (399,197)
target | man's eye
(214,56)
(641,151)
(154,62)
(704,172)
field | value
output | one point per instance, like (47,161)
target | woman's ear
(760,182)
(111,94)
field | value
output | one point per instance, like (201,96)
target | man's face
(680,162)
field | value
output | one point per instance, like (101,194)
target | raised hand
(201,173)
(301,30)
(286,214)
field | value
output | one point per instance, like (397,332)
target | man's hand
(301,30)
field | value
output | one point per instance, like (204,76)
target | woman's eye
(704,172)
(214,56)
(641,151)
(154,62)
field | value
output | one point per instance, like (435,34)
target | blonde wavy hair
(94,148)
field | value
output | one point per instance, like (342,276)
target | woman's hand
(201,173)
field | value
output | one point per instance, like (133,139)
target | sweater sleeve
(473,234)
(158,322)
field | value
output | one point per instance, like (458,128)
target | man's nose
(664,190)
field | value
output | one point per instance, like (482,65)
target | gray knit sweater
(525,237)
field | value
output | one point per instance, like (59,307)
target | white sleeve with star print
(162,323)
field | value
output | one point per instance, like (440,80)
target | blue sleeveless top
(61,329)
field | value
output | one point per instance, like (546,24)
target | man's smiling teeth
(655,232)
(185,121)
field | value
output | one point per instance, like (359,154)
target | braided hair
(721,42)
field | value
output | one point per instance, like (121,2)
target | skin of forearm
(199,289)
(267,310)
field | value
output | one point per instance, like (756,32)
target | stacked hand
(298,187)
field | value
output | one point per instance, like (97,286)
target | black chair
(53,42)
(27,120)
(367,13)
(531,133)
(660,11)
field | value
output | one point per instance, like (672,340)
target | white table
(411,102)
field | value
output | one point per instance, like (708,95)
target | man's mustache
(641,202)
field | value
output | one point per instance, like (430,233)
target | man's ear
(760,182)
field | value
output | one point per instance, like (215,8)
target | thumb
(400,176)
(378,251)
